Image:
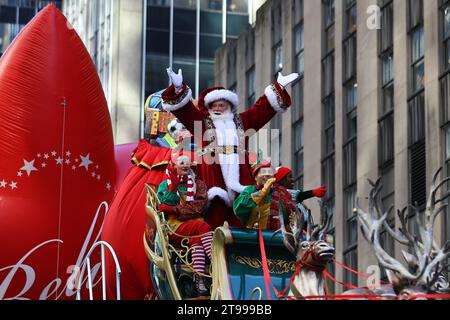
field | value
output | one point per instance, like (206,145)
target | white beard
(227,135)
(226,115)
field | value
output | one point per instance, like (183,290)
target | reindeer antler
(291,240)
(422,245)
(371,224)
(325,219)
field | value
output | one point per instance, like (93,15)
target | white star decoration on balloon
(85,162)
(29,167)
(48,160)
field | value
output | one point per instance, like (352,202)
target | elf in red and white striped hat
(184,199)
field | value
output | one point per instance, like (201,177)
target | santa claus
(222,135)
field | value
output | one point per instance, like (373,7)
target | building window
(351,102)
(328,173)
(386,113)
(351,235)
(416,32)
(297,129)
(387,90)
(350,16)
(329,12)
(417,163)
(386,140)
(328,75)
(349,47)
(251,87)
(240,6)
(387,25)
(350,163)
(445,14)
(328,18)
(445,98)
(329,126)
(418,63)
(387,201)
(299,50)
(277,65)
(415,13)
(277,44)
(351,238)
(417,119)
(298,153)
(298,11)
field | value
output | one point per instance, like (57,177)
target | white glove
(284,81)
(176,79)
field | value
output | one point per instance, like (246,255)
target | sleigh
(236,271)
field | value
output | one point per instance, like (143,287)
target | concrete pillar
(288,67)
(401,67)
(312,99)
(126,62)
(368,102)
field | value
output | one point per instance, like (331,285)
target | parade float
(290,265)
(292,262)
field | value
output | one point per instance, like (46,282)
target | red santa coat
(211,168)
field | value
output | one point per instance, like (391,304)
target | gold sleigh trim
(275,266)
(146,166)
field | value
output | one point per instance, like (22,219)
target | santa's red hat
(212,94)
(281,172)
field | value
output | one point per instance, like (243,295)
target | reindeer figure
(425,264)
(312,253)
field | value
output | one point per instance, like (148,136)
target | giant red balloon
(125,223)
(122,156)
(57,159)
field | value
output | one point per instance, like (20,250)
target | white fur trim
(222,94)
(219,192)
(227,135)
(174,107)
(229,164)
(273,99)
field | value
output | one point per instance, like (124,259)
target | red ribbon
(267,279)
(354,271)
(329,276)
(300,265)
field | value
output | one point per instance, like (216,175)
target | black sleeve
(304,196)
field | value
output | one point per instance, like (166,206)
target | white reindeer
(425,261)
(312,253)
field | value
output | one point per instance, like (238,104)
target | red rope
(266,273)
(267,279)
(354,271)
(329,276)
